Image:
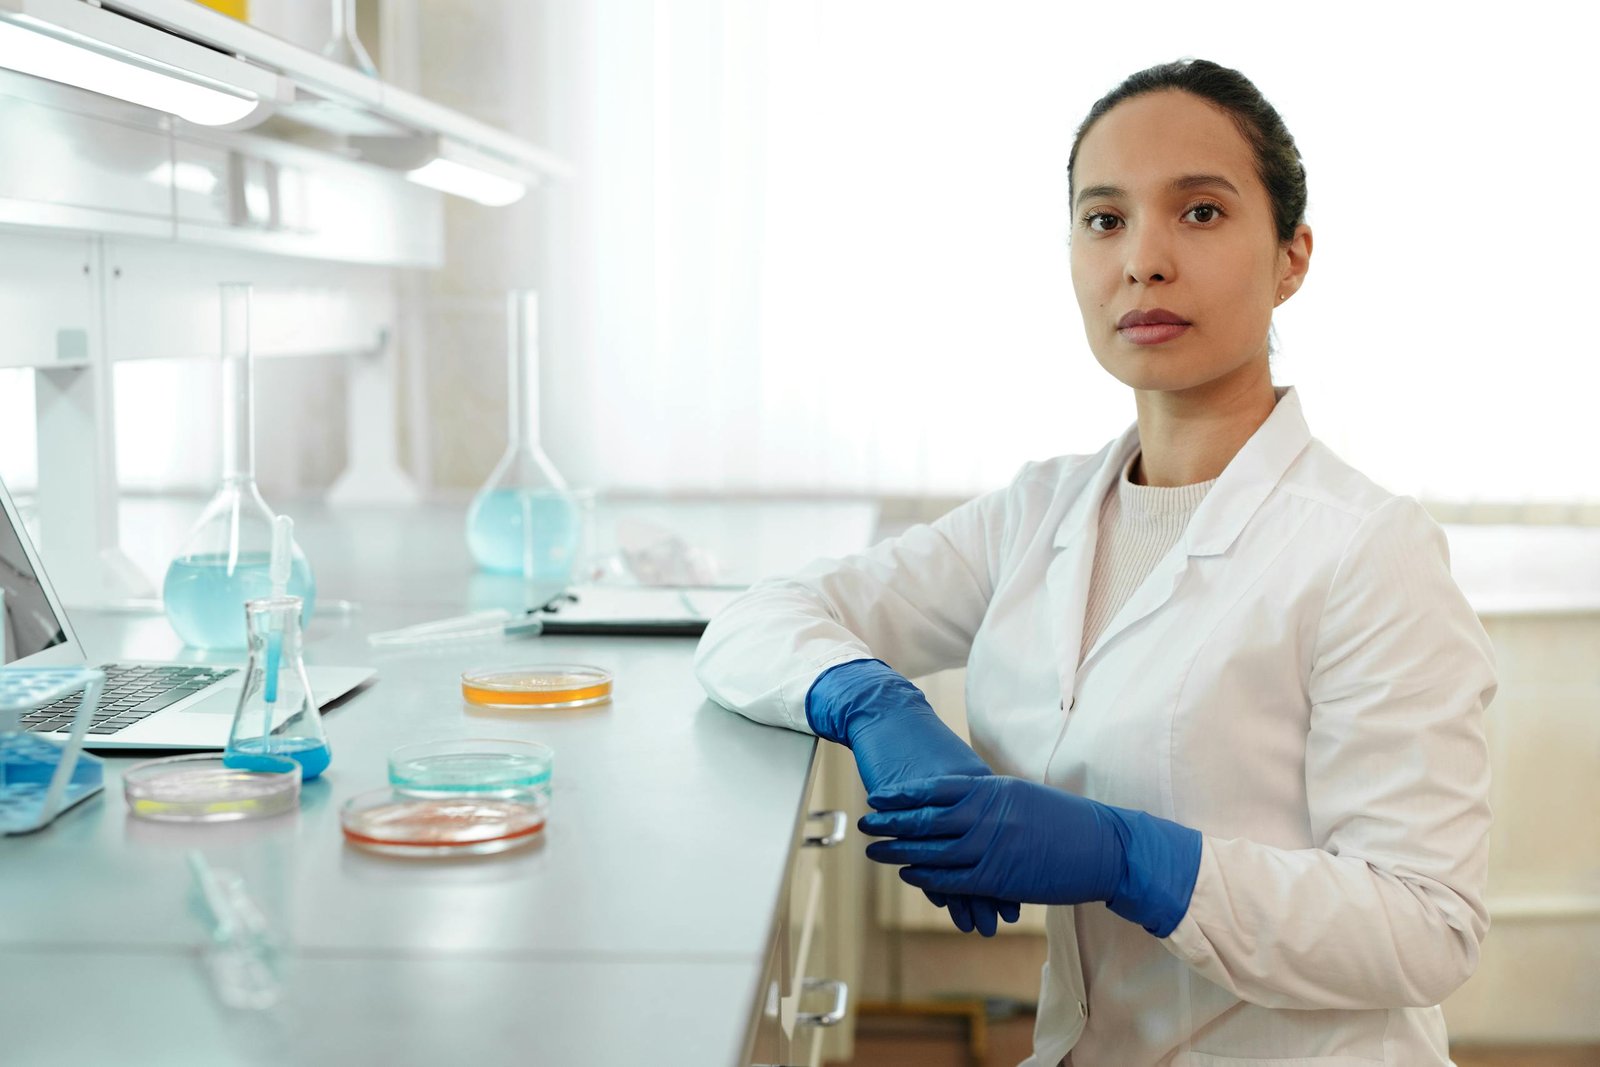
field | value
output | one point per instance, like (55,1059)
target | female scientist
(1227,699)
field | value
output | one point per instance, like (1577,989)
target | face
(1172,223)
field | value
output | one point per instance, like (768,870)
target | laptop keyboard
(130,694)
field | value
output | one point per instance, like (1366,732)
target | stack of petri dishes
(454,798)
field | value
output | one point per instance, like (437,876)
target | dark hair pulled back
(1278,162)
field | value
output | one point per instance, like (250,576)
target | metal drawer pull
(841,1003)
(834,836)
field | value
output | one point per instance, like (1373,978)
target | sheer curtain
(822,246)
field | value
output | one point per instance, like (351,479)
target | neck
(1190,436)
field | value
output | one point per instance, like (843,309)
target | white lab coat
(1299,679)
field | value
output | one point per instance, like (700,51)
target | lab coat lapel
(1240,490)
(1067,579)
(1249,478)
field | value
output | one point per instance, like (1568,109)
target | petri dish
(471,767)
(395,824)
(202,788)
(556,685)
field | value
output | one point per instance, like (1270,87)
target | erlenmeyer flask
(524,520)
(277,715)
(343,45)
(225,559)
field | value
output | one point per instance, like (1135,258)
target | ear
(1294,260)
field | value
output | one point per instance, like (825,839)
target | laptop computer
(145,704)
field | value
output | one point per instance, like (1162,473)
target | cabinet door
(46,300)
(162,302)
(76,160)
(826,886)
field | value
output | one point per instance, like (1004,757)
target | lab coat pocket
(1206,1059)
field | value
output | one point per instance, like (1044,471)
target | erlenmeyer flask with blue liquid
(226,557)
(525,520)
(277,717)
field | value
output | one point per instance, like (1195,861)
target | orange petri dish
(559,685)
(392,823)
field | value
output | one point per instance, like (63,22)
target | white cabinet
(47,292)
(805,992)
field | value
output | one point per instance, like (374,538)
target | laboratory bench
(652,923)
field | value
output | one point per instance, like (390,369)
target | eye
(1204,213)
(1101,221)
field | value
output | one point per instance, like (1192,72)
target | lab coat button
(1083,1010)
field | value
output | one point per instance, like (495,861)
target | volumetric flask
(277,714)
(226,558)
(525,520)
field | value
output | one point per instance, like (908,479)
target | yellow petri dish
(556,685)
(205,788)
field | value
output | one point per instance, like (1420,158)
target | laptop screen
(28,624)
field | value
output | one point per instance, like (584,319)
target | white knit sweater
(1138,525)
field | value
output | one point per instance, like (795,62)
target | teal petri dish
(474,767)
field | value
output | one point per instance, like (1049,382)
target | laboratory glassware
(484,767)
(41,778)
(204,788)
(343,45)
(277,714)
(525,520)
(384,821)
(245,954)
(226,557)
(550,686)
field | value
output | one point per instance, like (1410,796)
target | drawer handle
(835,835)
(841,1003)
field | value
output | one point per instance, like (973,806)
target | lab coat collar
(1248,479)
(1240,490)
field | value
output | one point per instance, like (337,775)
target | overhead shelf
(377,122)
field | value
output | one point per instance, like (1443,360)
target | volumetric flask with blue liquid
(525,520)
(277,713)
(226,559)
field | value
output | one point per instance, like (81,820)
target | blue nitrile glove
(1012,839)
(896,736)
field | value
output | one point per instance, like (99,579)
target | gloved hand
(1012,839)
(896,736)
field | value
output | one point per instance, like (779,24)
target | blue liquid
(499,542)
(274,659)
(26,766)
(311,753)
(32,761)
(205,600)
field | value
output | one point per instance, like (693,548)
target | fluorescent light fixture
(448,166)
(458,179)
(88,47)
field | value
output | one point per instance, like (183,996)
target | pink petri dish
(394,824)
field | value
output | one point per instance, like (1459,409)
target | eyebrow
(1183,184)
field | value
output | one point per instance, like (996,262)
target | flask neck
(522,351)
(238,399)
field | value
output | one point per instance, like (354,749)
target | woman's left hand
(1012,839)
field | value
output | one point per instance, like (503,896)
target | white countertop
(635,931)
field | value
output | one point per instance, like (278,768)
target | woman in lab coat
(1225,700)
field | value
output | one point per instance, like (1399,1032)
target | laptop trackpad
(219,700)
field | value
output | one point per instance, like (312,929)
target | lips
(1153,317)
(1153,327)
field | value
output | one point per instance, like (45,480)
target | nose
(1149,256)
